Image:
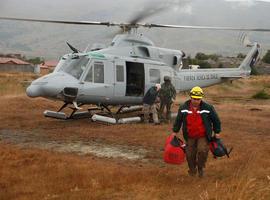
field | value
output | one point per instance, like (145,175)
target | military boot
(192,172)
(200,172)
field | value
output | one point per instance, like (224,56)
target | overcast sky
(122,10)
(50,39)
(56,8)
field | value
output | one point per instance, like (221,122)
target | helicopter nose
(48,86)
(36,89)
(33,91)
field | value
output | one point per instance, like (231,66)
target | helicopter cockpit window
(154,75)
(98,73)
(60,64)
(74,66)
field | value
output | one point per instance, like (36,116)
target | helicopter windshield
(73,65)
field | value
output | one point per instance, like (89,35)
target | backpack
(218,148)
(174,152)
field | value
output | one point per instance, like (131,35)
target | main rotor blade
(136,25)
(60,21)
(73,48)
(206,27)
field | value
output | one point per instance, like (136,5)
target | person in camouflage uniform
(167,94)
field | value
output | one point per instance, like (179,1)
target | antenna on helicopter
(73,48)
(85,50)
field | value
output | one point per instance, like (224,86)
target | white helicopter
(120,74)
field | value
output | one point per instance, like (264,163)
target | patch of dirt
(99,149)
(98,161)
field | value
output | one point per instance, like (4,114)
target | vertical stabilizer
(251,58)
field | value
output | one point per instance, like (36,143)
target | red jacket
(195,124)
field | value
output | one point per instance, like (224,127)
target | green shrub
(205,65)
(214,57)
(220,65)
(254,71)
(266,57)
(240,55)
(36,60)
(201,56)
(261,95)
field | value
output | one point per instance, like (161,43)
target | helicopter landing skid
(75,114)
(63,116)
(56,115)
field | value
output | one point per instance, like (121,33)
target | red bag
(218,148)
(174,150)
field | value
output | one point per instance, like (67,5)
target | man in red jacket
(200,124)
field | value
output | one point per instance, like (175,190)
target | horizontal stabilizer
(225,77)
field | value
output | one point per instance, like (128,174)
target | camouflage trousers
(168,105)
(147,110)
(197,153)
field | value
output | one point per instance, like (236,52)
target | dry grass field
(43,158)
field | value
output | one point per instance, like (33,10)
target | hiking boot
(157,123)
(200,172)
(166,122)
(192,172)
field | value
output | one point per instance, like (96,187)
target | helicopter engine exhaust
(70,94)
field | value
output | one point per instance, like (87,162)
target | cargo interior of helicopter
(135,79)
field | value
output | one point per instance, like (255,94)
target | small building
(48,66)
(15,65)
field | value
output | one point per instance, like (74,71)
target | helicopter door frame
(97,82)
(153,75)
(119,78)
(135,79)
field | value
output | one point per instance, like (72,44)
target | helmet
(196,93)
(167,78)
